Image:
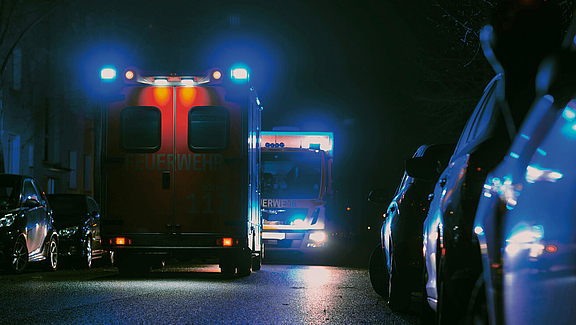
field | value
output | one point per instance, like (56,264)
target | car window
(208,127)
(484,117)
(140,128)
(30,191)
(9,193)
(68,205)
(93,206)
(478,117)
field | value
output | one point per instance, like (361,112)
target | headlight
(318,236)
(66,232)
(7,220)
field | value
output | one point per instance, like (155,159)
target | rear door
(140,147)
(209,162)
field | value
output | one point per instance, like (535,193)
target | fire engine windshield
(291,175)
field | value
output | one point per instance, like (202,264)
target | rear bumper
(167,243)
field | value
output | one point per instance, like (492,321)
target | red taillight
(120,241)
(226,241)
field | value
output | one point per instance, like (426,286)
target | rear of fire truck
(180,171)
(296,186)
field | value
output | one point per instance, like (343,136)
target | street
(193,293)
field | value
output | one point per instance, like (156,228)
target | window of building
(17,69)
(72,160)
(87,172)
(12,159)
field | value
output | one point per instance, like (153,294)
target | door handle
(166,179)
(443,182)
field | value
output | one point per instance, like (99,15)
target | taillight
(226,241)
(120,241)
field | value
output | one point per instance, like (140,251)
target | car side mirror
(380,196)
(31,203)
(423,168)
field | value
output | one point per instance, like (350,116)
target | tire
(399,295)
(227,268)
(19,260)
(87,258)
(51,263)
(378,272)
(245,264)
(256,263)
(477,312)
(427,314)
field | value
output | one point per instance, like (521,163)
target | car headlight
(7,220)
(66,232)
(318,236)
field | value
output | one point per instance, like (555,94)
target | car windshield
(291,175)
(68,206)
(9,193)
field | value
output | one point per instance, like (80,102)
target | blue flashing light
(239,73)
(569,114)
(108,73)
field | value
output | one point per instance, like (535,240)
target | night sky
(384,76)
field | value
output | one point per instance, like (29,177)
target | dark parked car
(395,263)
(451,250)
(77,220)
(525,220)
(26,230)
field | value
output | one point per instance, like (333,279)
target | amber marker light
(120,241)
(217,74)
(129,74)
(227,241)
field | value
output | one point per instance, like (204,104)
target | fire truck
(180,171)
(296,186)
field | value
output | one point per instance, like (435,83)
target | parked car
(26,228)
(395,264)
(522,36)
(525,220)
(77,220)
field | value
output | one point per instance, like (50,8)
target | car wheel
(19,260)
(87,258)
(399,296)
(256,263)
(427,314)
(477,313)
(51,263)
(378,272)
(245,264)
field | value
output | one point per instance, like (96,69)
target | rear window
(67,205)
(208,127)
(140,128)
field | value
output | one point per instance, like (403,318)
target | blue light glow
(108,73)
(239,73)
(568,113)
(514,155)
(535,173)
(542,152)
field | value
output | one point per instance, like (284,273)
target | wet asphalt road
(191,293)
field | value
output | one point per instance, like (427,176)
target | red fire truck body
(180,172)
